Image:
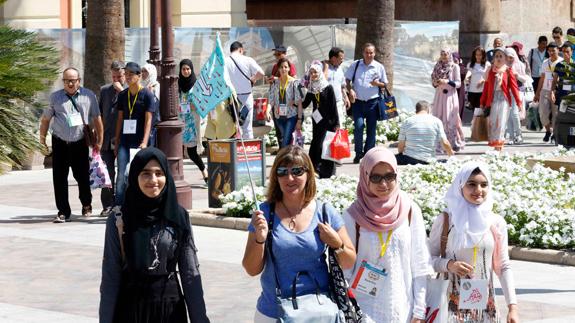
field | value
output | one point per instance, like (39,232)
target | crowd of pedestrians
(381,234)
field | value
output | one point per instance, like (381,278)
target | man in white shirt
(547,109)
(336,78)
(243,72)
(419,136)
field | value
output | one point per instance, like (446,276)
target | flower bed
(538,204)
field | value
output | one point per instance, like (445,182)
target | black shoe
(356,160)
(60,218)
(68,219)
(547,136)
(87,211)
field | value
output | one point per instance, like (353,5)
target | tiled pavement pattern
(51,272)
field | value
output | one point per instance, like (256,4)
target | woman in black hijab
(139,278)
(192,136)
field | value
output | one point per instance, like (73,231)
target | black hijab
(141,212)
(186,83)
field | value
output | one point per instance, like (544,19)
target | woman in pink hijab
(388,232)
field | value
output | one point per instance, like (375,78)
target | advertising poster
(255,162)
(220,171)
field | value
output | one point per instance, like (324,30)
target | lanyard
(317,97)
(131,104)
(283,90)
(384,244)
(474,256)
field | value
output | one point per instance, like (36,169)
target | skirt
(150,299)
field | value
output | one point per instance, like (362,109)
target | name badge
(283,110)
(369,279)
(566,87)
(548,75)
(185,108)
(473,294)
(316,116)
(130,126)
(75,119)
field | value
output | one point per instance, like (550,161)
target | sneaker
(518,140)
(106,212)
(87,210)
(547,136)
(60,218)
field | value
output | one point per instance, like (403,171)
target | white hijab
(470,221)
(321,83)
(152,79)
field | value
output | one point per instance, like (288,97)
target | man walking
(535,58)
(419,135)
(336,78)
(136,106)
(71,108)
(365,78)
(109,112)
(497,43)
(244,72)
(547,109)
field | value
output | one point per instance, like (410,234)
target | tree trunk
(105,41)
(375,23)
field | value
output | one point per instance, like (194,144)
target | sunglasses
(296,171)
(388,178)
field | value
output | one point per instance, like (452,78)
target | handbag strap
(241,71)
(444,235)
(269,240)
(76,107)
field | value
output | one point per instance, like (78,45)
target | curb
(214,218)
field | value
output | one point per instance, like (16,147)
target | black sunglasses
(296,171)
(388,178)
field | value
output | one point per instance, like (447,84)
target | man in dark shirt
(136,106)
(108,110)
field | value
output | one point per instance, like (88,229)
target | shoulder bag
(89,135)
(343,295)
(349,111)
(387,107)
(311,308)
(436,293)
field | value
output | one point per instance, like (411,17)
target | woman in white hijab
(516,113)
(150,79)
(325,117)
(468,242)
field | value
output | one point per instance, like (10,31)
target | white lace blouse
(407,262)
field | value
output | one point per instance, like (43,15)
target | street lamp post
(154,39)
(170,128)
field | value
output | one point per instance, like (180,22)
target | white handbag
(325,147)
(436,300)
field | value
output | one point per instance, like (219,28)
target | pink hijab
(374,213)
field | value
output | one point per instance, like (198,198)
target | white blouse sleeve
(349,223)
(420,261)
(439,264)
(502,265)
(456,76)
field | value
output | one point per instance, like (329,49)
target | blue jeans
(286,127)
(364,110)
(121,179)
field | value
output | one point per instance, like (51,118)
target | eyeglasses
(70,80)
(377,178)
(296,171)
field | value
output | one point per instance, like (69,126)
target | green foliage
(26,68)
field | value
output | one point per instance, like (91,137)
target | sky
(430,29)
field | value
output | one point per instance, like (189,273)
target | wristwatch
(340,249)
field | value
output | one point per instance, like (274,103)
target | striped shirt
(421,133)
(61,108)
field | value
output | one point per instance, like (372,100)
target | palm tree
(27,68)
(105,41)
(375,23)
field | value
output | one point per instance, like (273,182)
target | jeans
(123,159)
(364,110)
(286,127)
(107,193)
(68,155)
(513,130)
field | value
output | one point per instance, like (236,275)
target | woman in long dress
(468,242)
(496,99)
(513,131)
(446,79)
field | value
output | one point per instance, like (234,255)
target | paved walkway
(51,272)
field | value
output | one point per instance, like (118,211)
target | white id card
(548,75)
(566,87)
(563,106)
(75,119)
(130,126)
(473,294)
(283,110)
(185,108)
(369,279)
(316,116)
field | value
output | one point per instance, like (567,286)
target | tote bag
(436,300)
(326,147)
(386,105)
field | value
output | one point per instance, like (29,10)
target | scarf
(374,213)
(442,68)
(152,79)
(141,212)
(185,84)
(470,221)
(321,83)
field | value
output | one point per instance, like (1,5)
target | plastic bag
(298,138)
(339,146)
(326,147)
(99,177)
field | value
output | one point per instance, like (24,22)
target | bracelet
(256,240)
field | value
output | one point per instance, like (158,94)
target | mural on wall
(417,48)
